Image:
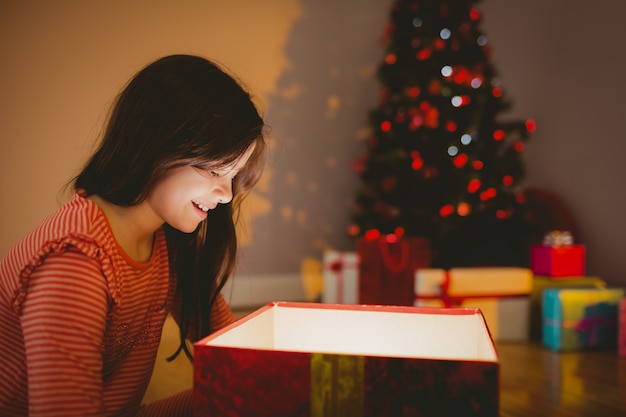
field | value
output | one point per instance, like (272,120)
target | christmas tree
(441,162)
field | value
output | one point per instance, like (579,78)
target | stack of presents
(553,301)
(389,338)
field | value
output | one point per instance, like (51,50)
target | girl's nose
(224,191)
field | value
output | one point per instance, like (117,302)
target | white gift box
(341,277)
(501,293)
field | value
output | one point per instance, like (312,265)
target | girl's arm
(63,320)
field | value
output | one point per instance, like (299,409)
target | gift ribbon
(337,385)
(455,301)
(337,267)
(393,264)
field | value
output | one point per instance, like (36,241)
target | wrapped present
(622,328)
(575,319)
(305,359)
(341,277)
(541,283)
(558,256)
(387,268)
(501,294)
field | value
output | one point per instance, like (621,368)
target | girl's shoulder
(77,225)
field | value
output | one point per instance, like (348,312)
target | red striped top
(80,320)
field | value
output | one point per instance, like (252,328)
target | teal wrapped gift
(581,318)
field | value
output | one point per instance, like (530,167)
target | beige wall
(64,61)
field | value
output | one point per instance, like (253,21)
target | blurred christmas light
(391,238)
(414,92)
(498,134)
(478,165)
(501,214)
(417,22)
(372,234)
(453,150)
(466,139)
(496,92)
(390,59)
(531,126)
(460,160)
(445,33)
(474,14)
(473,186)
(446,210)
(399,231)
(476,82)
(385,126)
(353,230)
(507,180)
(481,40)
(446,71)
(518,146)
(457,101)
(463,209)
(450,126)
(423,55)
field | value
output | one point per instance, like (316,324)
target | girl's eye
(214,173)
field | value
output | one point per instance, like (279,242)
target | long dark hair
(181,110)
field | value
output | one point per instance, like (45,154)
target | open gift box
(304,359)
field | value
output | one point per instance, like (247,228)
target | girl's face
(183,197)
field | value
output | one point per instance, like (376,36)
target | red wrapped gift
(300,359)
(622,328)
(558,261)
(387,268)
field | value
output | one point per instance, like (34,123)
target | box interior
(416,333)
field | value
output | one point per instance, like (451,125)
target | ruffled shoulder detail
(85,244)
(79,225)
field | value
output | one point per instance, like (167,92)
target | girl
(150,230)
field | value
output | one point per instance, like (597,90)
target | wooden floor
(538,382)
